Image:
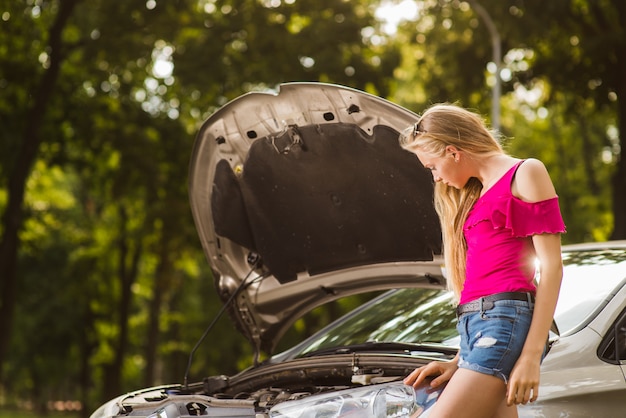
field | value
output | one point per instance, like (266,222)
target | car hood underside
(306,196)
(320,198)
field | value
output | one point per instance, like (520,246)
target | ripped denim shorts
(492,340)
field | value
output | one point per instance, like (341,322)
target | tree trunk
(587,149)
(161,281)
(619,178)
(12,218)
(87,347)
(127,276)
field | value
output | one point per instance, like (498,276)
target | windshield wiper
(375,346)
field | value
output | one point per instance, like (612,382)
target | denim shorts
(492,340)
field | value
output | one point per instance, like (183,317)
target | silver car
(303,196)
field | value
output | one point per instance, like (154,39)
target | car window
(405,315)
(613,346)
(589,280)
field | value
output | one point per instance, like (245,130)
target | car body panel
(304,193)
(564,379)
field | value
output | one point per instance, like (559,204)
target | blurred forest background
(103,284)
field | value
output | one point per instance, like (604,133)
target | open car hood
(304,196)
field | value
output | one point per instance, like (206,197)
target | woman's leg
(471,394)
(505,411)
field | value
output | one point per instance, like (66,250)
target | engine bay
(277,390)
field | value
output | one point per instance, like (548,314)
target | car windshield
(402,316)
(427,316)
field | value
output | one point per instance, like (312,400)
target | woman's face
(447,169)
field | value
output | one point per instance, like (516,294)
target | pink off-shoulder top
(498,232)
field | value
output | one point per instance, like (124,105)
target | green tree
(111,94)
(582,61)
(23,142)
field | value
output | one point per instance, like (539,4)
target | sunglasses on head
(417,128)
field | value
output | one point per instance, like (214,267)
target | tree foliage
(103,284)
(561,86)
(101,101)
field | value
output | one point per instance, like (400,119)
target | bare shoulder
(532,182)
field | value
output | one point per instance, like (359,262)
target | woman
(498,215)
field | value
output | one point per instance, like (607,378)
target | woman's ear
(451,149)
(453,152)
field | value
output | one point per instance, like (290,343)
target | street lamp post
(497,60)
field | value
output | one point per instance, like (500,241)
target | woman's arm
(532,184)
(524,381)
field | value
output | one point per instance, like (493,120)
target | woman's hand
(442,369)
(523,386)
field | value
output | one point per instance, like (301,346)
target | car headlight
(385,400)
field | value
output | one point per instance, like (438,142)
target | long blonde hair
(439,126)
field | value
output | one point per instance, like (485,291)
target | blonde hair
(439,126)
